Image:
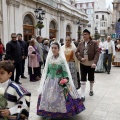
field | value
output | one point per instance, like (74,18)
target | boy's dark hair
(7,65)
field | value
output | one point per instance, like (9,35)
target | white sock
(91,86)
(83,86)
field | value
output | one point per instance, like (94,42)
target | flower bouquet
(63,83)
(3,103)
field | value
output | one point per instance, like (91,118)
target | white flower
(2,90)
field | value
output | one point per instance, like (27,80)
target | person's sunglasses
(13,37)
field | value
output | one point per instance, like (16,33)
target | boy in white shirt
(17,98)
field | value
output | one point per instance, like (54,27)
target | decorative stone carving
(15,3)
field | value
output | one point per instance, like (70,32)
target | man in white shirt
(109,51)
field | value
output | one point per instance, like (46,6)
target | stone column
(114,12)
(13,14)
(59,28)
(74,30)
(62,27)
(1,20)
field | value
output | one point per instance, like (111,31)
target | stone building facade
(116,10)
(88,7)
(103,21)
(116,17)
(61,19)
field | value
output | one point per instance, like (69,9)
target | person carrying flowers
(58,97)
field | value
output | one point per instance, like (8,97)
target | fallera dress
(52,102)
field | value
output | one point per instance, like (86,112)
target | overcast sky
(109,2)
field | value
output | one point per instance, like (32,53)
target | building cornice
(101,11)
(74,13)
(58,6)
(15,3)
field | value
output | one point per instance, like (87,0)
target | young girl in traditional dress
(58,97)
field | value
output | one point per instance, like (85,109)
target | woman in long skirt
(116,61)
(100,67)
(58,97)
(69,50)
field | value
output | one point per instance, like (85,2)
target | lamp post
(79,29)
(40,15)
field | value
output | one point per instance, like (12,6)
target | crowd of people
(109,53)
(68,64)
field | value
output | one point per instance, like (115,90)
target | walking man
(14,53)
(109,50)
(87,53)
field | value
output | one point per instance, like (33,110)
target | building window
(78,6)
(103,17)
(28,20)
(96,16)
(68,30)
(52,25)
(96,24)
(89,11)
(102,31)
(101,24)
(90,5)
(84,6)
(52,29)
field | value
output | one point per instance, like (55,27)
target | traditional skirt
(100,67)
(116,60)
(53,104)
(73,71)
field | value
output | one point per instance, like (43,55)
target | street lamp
(79,29)
(40,15)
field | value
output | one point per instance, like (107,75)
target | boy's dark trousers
(18,68)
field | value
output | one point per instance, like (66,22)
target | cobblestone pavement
(104,105)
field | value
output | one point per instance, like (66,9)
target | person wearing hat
(88,54)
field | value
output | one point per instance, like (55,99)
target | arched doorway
(52,30)
(68,30)
(28,27)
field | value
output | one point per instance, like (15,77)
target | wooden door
(68,34)
(52,33)
(28,32)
